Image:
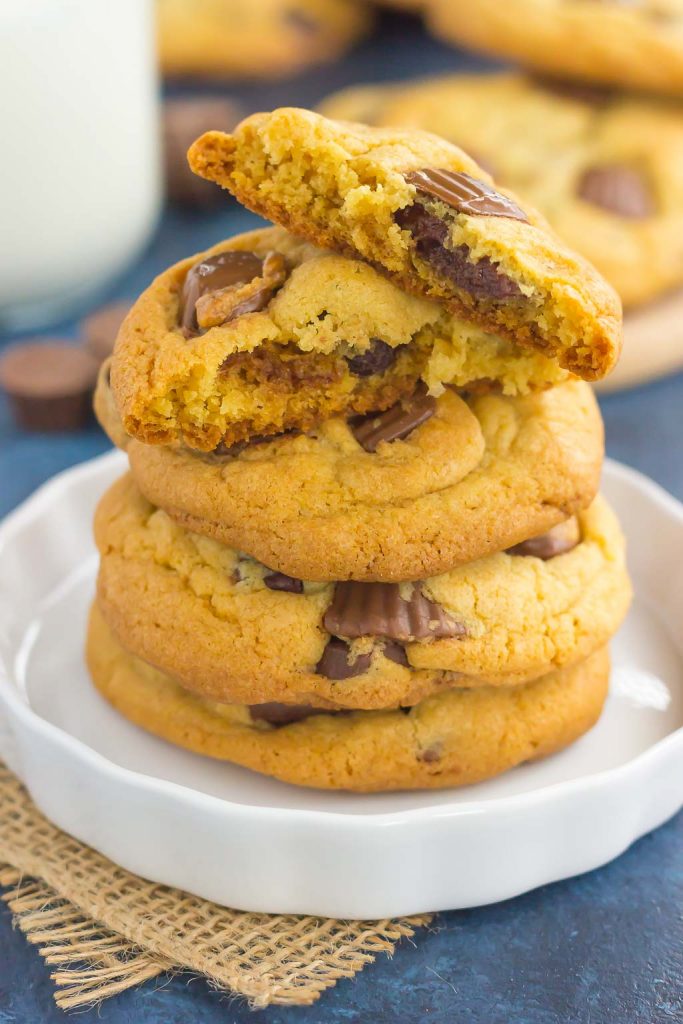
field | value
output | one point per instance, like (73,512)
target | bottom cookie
(452,739)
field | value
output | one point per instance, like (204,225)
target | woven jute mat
(104,930)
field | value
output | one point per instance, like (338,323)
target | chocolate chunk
(279,581)
(562,538)
(480,278)
(49,385)
(395,652)
(335,664)
(395,424)
(224,270)
(583,92)
(184,120)
(378,609)
(378,358)
(99,330)
(223,450)
(465,193)
(430,755)
(301,21)
(284,714)
(618,189)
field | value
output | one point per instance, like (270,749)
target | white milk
(79,155)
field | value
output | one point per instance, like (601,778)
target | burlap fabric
(104,929)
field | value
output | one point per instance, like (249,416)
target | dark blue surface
(606,948)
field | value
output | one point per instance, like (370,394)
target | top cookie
(424,212)
(638,44)
(265,39)
(605,167)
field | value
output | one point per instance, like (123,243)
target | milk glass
(79,153)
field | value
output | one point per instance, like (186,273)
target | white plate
(249,842)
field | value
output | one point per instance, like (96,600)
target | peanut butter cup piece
(562,538)
(99,330)
(335,663)
(395,424)
(464,193)
(222,287)
(49,385)
(618,189)
(396,652)
(184,120)
(379,609)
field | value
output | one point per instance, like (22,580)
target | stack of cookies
(360,545)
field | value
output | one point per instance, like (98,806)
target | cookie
(233,630)
(265,39)
(605,168)
(265,334)
(482,473)
(428,215)
(451,739)
(635,45)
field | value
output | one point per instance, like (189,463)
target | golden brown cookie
(424,212)
(232,630)
(259,39)
(606,168)
(452,739)
(630,43)
(480,474)
(265,334)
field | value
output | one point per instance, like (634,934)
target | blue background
(606,948)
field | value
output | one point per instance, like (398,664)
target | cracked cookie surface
(231,629)
(453,738)
(425,213)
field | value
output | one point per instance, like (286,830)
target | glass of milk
(79,152)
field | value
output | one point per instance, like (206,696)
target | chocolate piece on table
(481,278)
(395,652)
(378,609)
(464,193)
(49,385)
(618,189)
(378,358)
(284,714)
(562,538)
(184,120)
(394,424)
(334,663)
(280,581)
(99,330)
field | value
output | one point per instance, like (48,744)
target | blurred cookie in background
(653,344)
(255,39)
(630,43)
(606,168)
(184,120)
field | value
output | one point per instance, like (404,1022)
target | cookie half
(428,215)
(264,334)
(233,630)
(634,45)
(453,739)
(393,497)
